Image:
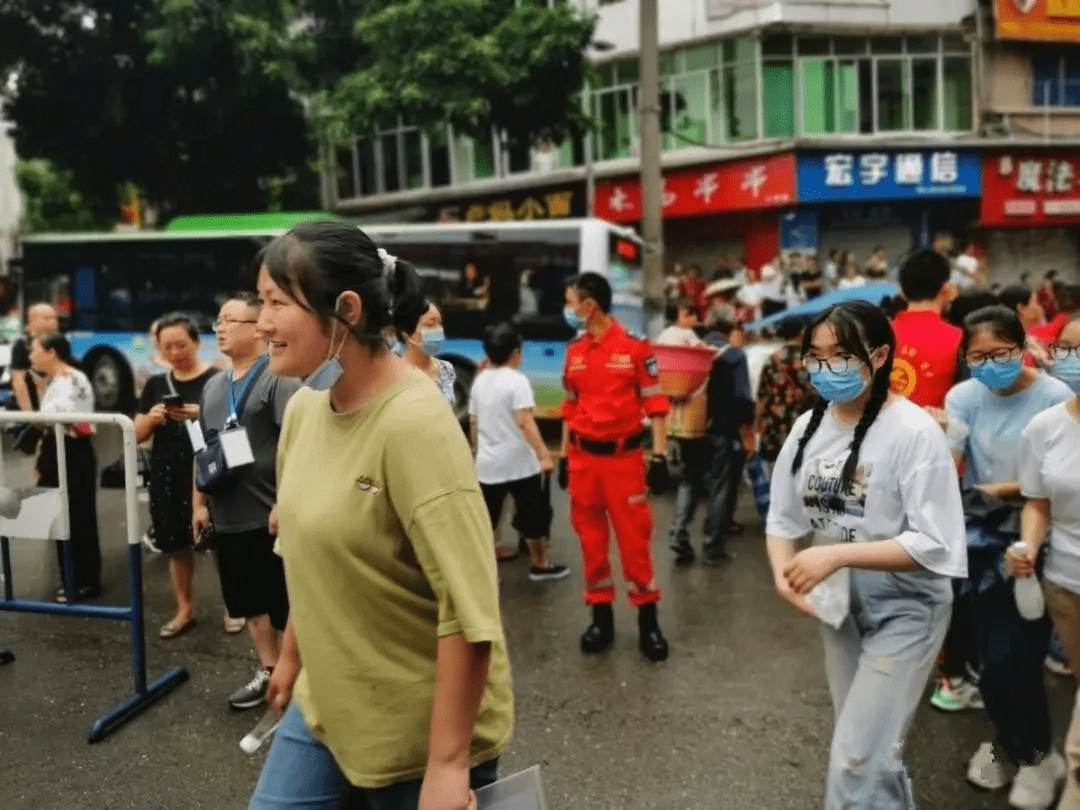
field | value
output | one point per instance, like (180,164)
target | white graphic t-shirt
(905,488)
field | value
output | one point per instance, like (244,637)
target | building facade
(787,125)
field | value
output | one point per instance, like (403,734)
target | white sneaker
(985,771)
(1036,785)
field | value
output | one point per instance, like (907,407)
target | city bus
(110,287)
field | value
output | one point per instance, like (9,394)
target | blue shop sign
(896,174)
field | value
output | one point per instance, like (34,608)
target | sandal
(504,553)
(172,630)
(234,626)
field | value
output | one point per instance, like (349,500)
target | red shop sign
(1024,190)
(739,185)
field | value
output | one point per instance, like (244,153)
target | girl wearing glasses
(868,474)
(1049,457)
(986,417)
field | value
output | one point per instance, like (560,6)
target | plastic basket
(683,369)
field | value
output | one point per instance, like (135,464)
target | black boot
(653,644)
(599,635)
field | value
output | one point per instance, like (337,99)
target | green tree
(51,201)
(195,128)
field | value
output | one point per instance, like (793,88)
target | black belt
(607,448)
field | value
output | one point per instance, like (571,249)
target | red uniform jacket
(611,384)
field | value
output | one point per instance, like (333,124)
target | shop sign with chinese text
(740,185)
(900,174)
(1054,20)
(555,202)
(1030,189)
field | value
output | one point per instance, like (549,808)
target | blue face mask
(1068,371)
(572,318)
(431,340)
(838,387)
(998,376)
(329,371)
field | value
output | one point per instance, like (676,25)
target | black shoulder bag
(211,469)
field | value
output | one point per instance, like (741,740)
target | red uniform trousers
(613,487)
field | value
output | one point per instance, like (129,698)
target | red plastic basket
(683,369)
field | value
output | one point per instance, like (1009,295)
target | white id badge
(237,448)
(195,435)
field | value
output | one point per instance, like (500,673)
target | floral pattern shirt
(447,378)
(784,392)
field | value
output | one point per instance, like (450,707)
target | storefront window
(740,89)
(414,159)
(1056,77)
(957,93)
(893,95)
(778,86)
(819,106)
(690,107)
(438,146)
(924,81)
(617,124)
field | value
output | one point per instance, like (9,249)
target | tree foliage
(195,128)
(51,201)
(203,103)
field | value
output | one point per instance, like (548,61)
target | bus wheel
(463,380)
(112,381)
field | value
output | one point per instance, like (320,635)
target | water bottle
(1029,595)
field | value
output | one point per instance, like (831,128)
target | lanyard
(236,405)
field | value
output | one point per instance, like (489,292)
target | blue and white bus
(110,287)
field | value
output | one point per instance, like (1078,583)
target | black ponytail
(318,261)
(858,325)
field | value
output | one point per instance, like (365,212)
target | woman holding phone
(167,402)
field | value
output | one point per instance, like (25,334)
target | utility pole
(652,214)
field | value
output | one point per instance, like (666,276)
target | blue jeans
(300,772)
(707,471)
(1012,651)
(877,664)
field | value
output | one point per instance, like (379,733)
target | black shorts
(252,576)
(532,506)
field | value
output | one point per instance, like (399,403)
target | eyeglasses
(839,364)
(1000,356)
(1060,352)
(220,322)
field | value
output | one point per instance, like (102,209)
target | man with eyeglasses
(245,407)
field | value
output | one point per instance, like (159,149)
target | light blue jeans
(301,773)
(877,664)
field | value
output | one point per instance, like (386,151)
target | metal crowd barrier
(29,526)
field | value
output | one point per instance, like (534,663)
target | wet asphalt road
(739,717)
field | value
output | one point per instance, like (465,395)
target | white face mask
(329,371)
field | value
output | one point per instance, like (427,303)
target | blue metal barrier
(144,693)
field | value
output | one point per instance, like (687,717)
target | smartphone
(173,401)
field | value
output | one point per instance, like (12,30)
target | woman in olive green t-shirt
(404,686)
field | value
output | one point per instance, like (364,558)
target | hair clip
(389,263)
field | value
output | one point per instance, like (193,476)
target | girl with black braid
(869,476)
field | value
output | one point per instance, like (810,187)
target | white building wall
(682,20)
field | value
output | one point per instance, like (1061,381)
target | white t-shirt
(905,488)
(678,336)
(1049,458)
(502,453)
(964,269)
(849,283)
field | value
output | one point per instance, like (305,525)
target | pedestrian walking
(419,324)
(869,476)
(69,391)
(712,465)
(246,405)
(403,695)
(1049,456)
(784,392)
(41,319)
(612,382)
(168,402)
(511,457)
(986,417)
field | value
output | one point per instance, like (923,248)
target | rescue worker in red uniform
(612,383)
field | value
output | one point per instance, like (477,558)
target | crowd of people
(908,449)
